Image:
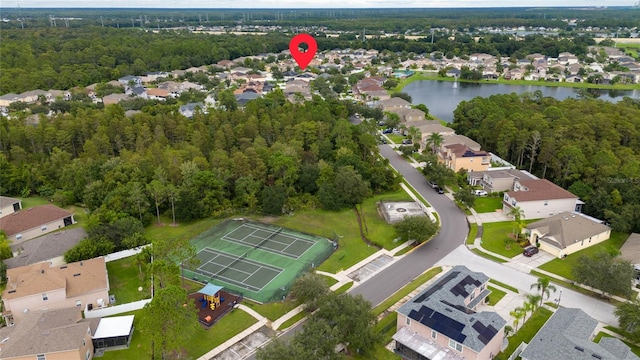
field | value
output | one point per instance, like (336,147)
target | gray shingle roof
(564,229)
(567,335)
(45,332)
(441,307)
(44,248)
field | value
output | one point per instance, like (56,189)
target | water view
(442,97)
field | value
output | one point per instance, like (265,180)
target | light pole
(558,299)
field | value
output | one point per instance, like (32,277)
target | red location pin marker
(303,58)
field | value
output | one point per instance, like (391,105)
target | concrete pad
(396,211)
(534,261)
(496,216)
(371,268)
(246,346)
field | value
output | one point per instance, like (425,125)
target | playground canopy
(210,289)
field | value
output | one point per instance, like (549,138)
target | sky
(315,4)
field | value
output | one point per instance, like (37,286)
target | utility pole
(101,21)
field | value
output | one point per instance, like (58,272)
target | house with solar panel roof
(443,322)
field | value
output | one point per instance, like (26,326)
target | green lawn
(344,288)
(32,201)
(406,290)
(351,248)
(294,319)
(563,267)
(487,204)
(473,232)
(203,340)
(494,235)
(526,332)
(187,230)
(501,284)
(634,348)
(273,310)
(125,279)
(487,256)
(395,138)
(495,296)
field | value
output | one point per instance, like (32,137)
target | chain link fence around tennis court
(277,288)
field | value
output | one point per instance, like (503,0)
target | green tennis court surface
(260,261)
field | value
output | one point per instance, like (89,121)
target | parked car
(480,192)
(407,142)
(387,131)
(383,140)
(438,190)
(530,251)
(432,184)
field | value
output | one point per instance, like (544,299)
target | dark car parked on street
(530,251)
(439,190)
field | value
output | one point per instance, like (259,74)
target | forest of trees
(63,58)
(388,20)
(590,147)
(271,156)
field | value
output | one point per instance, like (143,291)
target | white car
(480,192)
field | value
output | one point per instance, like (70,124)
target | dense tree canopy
(158,161)
(590,147)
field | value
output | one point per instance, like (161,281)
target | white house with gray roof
(569,334)
(442,322)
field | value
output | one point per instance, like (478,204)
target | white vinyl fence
(115,310)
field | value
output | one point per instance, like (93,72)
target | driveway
(534,261)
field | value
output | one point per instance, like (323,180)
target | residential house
(137,91)
(50,248)
(59,334)
(569,334)
(444,321)
(514,74)
(566,233)
(630,250)
(158,94)
(8,99)
(567,58)
(9,206)
(408,115)
(188,110)
(394,104)
(130,80)
(458,156)
(459,139)
(497,180)
(36,221)
(152,76)
(114,99)
(244,98)
(82,284)
(453,72)
(539,199)
(32,96)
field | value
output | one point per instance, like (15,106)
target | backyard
(563,267)
(125,278)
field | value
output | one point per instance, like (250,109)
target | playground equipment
(211,296)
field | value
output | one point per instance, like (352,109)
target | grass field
(406,290)
(473,232)
(495,296)
(501,284)
(186,230)
(351,248)
(273,310)
(487,256)
(395,138)
(487,204)
(563,267)
(494,235)
(526,332)
(125,279)
(200,343)
(32,201)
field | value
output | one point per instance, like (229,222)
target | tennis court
(260,261)
(268,240)
(242,272)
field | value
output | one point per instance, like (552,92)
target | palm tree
(508,330)
(434,140)
(517,314)
(415,134)
(535,300)
(544,287)
(518,214)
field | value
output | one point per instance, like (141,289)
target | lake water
(443,97)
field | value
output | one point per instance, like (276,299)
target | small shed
(113,332)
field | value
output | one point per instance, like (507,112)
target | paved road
(453,232)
